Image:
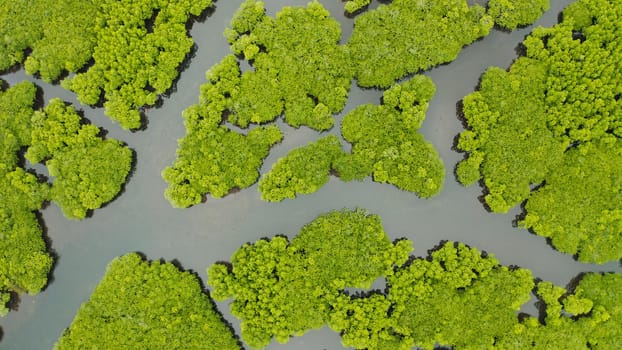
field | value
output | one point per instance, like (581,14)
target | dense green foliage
(17,30)
(61,35)
(87,170)
(406,36)
(590,317)
(385,139)
(16,105)
(555,119)
(24,261)
(303,171)
(133,64)
(299,70)
(212,158)
(282,288)
(386,144)
(509,141)
(67,36)
(585,189)
(352,6)
(135,47)
(143,305)
(125,54)
(425,305)
(457,296)
(299,66)
(510,14)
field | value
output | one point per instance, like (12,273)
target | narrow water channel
(142,220)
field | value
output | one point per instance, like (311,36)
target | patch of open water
(142,220)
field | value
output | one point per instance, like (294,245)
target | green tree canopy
(352,6)
(303,171)
(299,67)
(69,34)
(583,193)
(440,301)
(282,288)
(387,145)
(588,317)
(17,29)
(406,37)
(61,35)
(299,70)
(88,171)
(24,261)
(135,62)
(510,14)
(147,305)
(554,119)
(127,52)
(508,140)
(212,158)
(16,109)
(457,297)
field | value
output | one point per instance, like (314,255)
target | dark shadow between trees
(49,247)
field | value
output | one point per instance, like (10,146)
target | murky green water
(142,220)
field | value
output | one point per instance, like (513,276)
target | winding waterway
(142,220)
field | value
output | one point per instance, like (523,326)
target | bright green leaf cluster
(352,6)
(584,192)
(555,119)
(299,66)
(24,261)
(88,171)
(147,305)
(508,140)
(457,297)
(135,61)
(135,47)
(461,299)
(583,88)
(363,322)
(303,171)
(61,34)
(283,288)
(387,145)
(385,139)
(588,318)
(15,112)
(510,14)
(68,36)
(300,70)
(17,29)
(408,36)
(212,158)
